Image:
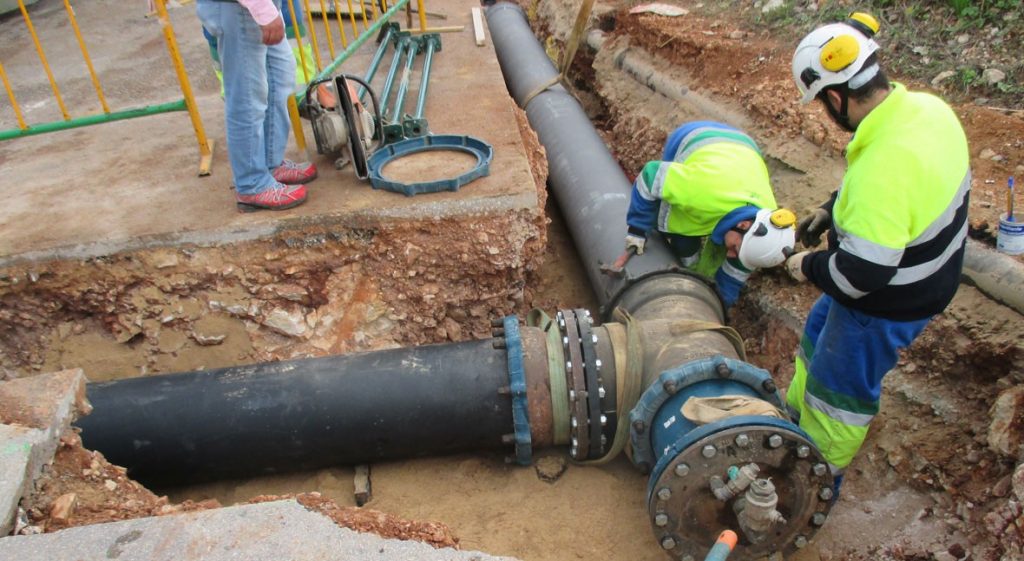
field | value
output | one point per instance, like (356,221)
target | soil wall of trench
(940,476)
(306,292)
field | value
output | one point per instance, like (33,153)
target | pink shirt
(263,11)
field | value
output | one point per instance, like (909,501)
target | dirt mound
(372,521)
(81,487)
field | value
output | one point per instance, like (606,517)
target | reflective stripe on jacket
(900,217)
(717,169)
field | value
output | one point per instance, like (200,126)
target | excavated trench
(933,481)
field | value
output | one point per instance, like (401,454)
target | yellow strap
(628,351)
(577,32)
(685,326)
(541,88)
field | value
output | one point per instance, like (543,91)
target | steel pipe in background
(588,184)
(302,414)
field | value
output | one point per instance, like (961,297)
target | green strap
(556,373)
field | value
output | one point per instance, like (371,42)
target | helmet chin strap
(842,116)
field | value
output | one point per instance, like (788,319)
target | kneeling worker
(713,183)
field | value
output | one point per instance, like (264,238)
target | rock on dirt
(63,508)
(1006,432)
(550,468)
(993,76)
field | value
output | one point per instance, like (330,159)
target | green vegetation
(957,40)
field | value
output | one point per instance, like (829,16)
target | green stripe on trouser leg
(843,356)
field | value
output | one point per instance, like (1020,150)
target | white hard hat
(835,54)
(769,240)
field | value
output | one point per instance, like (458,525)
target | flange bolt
(723,370)
(668,542)
(709,451)
(682,470)
(825,494)
(820,469)
(664,493)
(800,542)
(769,386)
(742,440)
(803,451)
(670,386)
(661,519)
(774,441)
(818,519)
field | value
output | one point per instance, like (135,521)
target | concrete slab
(34,412)
(132,184)
(267,531)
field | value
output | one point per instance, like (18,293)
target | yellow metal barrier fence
(187,103)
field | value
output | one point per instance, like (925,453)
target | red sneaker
(292,173)
(278,197)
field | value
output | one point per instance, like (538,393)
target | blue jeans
(258,79)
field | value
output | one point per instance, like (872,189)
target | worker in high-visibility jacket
(712,183)
(897,227)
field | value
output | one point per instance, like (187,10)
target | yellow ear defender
(783,218)
(839,53)
(864,22)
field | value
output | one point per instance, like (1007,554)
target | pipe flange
(598,441)
(579,412)
(711,368)
(683,508)
(475,147)
(517,385)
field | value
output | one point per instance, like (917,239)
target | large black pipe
(298,414)
(588,184)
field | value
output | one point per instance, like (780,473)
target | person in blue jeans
(305,69)
(259,75)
